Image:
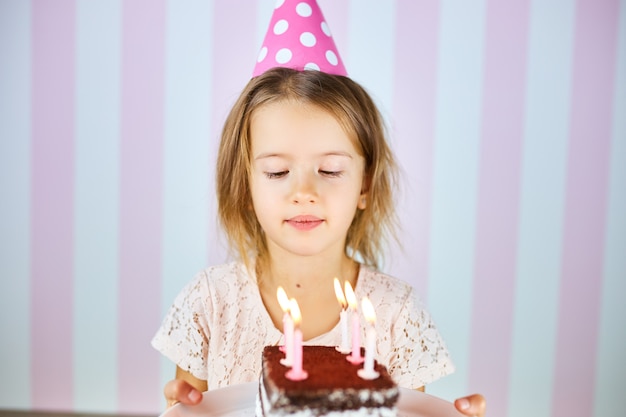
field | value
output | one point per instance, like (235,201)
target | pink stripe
(415,82)
(498,200)
(231,73)
(141,201)
(585,216)
(52,203)
(232,70)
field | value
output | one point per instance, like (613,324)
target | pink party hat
(298,37)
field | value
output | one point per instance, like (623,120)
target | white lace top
(218,326)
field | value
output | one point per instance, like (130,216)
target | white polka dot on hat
(298,37)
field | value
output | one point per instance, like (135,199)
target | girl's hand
(472,405)
(180,391)
(185,389)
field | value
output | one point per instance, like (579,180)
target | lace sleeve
(419,354)
(184,333)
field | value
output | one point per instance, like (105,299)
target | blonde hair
(356,112)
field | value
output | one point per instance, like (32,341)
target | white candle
(343,322)
(368,371)
(355,357)
(296,373)
(287,326)
(344,347)
(289,346)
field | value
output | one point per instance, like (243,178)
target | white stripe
(188,78)
(455,182)
(370,55)
(610,376)
(542,204)
(15,132)
(96,204)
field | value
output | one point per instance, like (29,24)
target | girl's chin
(301,251)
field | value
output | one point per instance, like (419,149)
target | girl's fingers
(179,391)
(472,405)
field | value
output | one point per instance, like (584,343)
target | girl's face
(306,179)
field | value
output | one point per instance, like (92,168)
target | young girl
(304,182)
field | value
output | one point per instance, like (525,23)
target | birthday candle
(355,357)
(343,318)
(368,371)
(283,300)
(289,346)
(296,373)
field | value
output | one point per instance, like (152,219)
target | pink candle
(368,371)
(355,357)
(296,373)
(288,331)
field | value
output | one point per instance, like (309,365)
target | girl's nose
(304,190)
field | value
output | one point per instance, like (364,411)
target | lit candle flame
(350,296)
(283,300)
(368,310)
(294,310)
(340,296)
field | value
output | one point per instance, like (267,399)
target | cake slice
(332,388)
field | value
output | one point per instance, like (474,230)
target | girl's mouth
(304,222)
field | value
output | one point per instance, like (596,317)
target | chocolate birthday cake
(332,387)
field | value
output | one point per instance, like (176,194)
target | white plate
(239,401)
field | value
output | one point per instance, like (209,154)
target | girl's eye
(275,175)
(332,174)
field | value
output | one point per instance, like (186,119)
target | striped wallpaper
(508,118)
